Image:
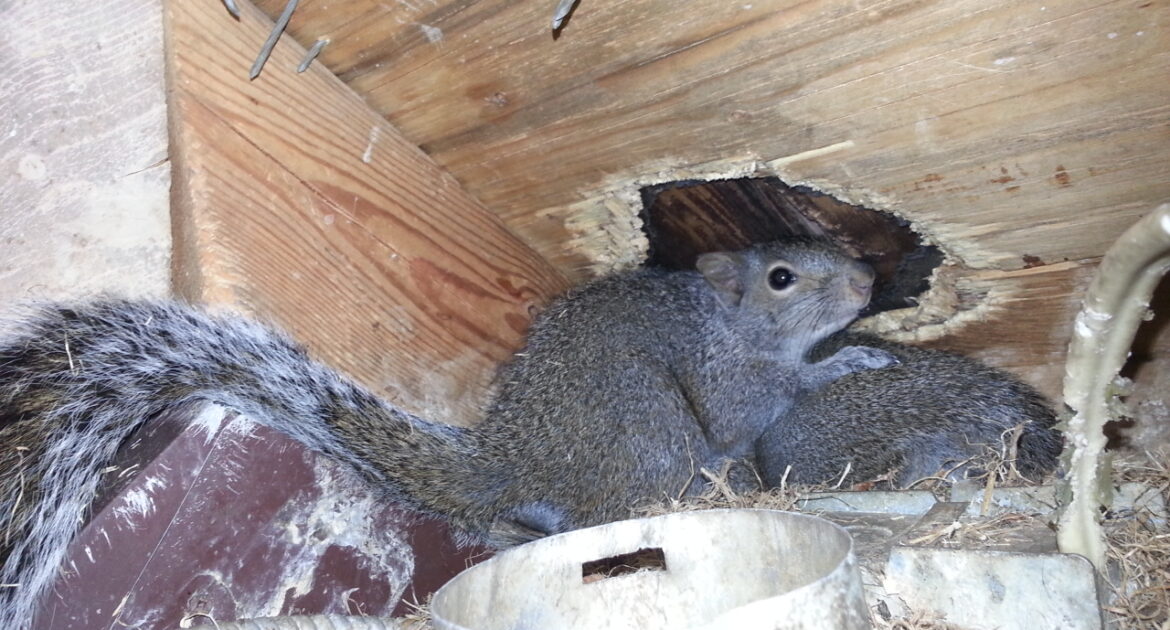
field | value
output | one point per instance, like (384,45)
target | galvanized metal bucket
(742,569)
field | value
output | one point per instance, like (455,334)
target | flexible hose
(1115,304)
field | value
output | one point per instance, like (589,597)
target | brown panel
(209,513)
(296,202)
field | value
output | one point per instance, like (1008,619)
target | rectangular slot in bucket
(648,559)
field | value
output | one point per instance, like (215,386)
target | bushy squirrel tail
(79,379)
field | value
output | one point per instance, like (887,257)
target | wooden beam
(83,139)
(295,202)
(1003,129)
(1010,134)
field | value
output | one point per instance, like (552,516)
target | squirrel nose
(861,279)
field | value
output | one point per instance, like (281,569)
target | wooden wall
(294,201)
(84,178)
(1020,137)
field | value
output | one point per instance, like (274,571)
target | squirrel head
(790,293)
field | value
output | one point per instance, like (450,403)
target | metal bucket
(741,569)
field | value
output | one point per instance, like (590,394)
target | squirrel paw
(847,360)
(857,358)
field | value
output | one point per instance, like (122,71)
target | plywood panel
(1003,128)
(84,179)
(1022,322)
(298,203)
(1011,134)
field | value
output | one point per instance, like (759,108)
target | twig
(988,492)
(844,474)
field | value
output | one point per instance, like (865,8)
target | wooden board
(1020,320)
(985,122)
(296,202)
(83,143)
(1010,134)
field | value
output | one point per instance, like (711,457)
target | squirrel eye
(781,278)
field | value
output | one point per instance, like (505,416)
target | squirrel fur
(625,387)
(932,413)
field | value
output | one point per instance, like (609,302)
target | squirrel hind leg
(944,456)
(527,522)
(1039,449)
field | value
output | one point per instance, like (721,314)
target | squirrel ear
(722,272)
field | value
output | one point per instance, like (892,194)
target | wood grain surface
(84,178)
(297,203)
(1012,135)
(1002,128)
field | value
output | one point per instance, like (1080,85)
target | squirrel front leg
(847,360)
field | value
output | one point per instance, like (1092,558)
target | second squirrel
(933,413)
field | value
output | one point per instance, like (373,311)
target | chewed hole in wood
(683,219)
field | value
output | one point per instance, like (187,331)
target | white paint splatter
(1004,60)
(1112,36)
(1100,316)
(1165,223)
(139,502)
(369,153)
(209,421)
(433,34)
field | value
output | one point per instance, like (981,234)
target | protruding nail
(270,43)
(312,54)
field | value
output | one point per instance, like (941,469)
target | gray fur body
(928,414)
(624,389)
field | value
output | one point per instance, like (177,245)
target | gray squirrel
(932,413)
(626,386)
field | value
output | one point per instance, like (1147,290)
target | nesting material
(1138,546)
(992,514)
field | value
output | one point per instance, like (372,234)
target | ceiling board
(1069,98)
(1009,134)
